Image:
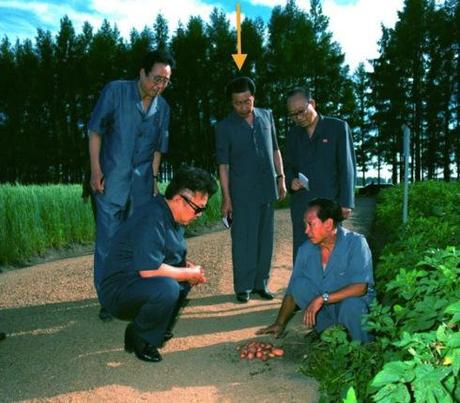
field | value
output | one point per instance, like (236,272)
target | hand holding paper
(304,180)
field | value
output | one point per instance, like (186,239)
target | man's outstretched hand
(275,329)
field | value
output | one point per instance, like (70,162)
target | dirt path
(57,350)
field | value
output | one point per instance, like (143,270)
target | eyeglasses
(196,209)
(159,80)
(296,114)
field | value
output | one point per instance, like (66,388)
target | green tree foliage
(49,86)
(415,82)
(360,122)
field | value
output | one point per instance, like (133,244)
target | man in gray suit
(251,178)
(319,161)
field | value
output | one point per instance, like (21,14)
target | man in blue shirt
(321,149)
(128,133)
(147,275)
(251,178)
(332,281)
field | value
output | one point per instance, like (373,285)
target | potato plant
(415,356)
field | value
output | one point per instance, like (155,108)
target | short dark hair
(239,85)
(192,178)
(162,56)
(327,208)
(299,91)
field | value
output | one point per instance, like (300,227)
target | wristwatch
(325,297)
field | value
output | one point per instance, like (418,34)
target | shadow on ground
(68,349)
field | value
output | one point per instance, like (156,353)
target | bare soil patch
(57,350)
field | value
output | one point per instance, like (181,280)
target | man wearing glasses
(128,132)
(319,161)
(147,275)
(251,178)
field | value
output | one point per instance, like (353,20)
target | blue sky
(355,24)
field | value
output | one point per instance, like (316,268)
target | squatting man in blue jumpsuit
(128,133)
(332,280)
(147,275)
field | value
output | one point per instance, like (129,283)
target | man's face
(243,103)
(154,82)
(191,206)
(316,230)
(301,111)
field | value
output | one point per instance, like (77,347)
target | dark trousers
(108,219)
(252,245)
(150,303)
(349,313)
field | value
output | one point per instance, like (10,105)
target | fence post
(406,154)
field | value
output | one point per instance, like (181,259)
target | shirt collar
(136,97)
(167,211)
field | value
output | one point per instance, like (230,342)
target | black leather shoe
(265,294)
(105,315)
(144,351)
(148,353)
(243,296)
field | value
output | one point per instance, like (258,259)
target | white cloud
(268,3)
(357,26)
(128,14)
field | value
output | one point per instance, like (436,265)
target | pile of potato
(260,350)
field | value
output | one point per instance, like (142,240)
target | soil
(57,350)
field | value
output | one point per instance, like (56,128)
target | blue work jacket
(130,136)
(249,153)
(350,262)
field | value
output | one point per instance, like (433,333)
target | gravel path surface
(57,350)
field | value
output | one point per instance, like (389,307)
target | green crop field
(36,218)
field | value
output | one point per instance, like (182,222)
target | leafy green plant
(415,356)
(340,363)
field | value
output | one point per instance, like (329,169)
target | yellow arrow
(239,57)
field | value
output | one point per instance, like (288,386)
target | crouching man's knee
(351,313)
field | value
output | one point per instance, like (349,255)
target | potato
(278,352)
(250,356)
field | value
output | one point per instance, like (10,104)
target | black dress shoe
(265,294)
(105,315)
(242,296)
(143,350)
(148,353)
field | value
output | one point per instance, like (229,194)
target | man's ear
(312,102)
(329,224)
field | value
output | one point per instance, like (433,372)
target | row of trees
(48,88)
(415,81)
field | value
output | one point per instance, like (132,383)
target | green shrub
(416,353)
